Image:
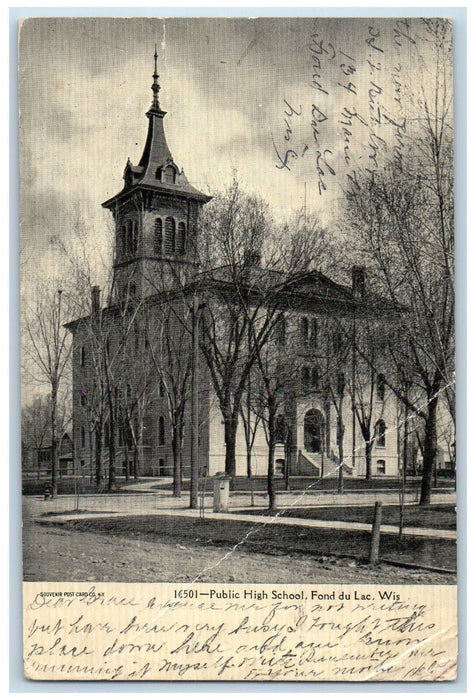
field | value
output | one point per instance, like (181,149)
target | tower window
(380,430)
(169,236)
(83,437)
(158,237)
(169,175)
(181,239)
(305,330)
(82,355)
(314,332)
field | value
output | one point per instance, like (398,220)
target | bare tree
(48,350)
(403,217)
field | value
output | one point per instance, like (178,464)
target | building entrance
(314,431)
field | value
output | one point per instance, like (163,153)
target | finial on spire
(155,85)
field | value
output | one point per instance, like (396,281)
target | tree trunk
(98,455)
(54,445)
(176,458)
(340,448)
(231,425)
(249,471)
(91,456)
(126,459)
(271,449)
(368,456)
(112,458)
(430,447)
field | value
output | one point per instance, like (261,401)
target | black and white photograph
(237,300)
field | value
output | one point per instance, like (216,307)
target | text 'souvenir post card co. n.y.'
(238,401)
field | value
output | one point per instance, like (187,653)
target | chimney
(358,281)
(95,300)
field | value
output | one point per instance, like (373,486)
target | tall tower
(155,216)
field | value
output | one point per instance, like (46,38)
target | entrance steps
(316,464)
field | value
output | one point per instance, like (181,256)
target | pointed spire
(155,87)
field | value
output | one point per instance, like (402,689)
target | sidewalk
(162,503)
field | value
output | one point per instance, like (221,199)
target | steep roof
(156,157)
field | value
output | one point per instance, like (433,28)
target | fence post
(375,541)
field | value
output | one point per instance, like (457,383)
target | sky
(267,98)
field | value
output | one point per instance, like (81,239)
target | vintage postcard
(238,397)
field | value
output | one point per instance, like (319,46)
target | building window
(158,237)
(169,175)
(161,431)
(305,378)
(83,437)
(380,466)
(169,236)
(281,330)
(380,430)
(305,330)
(181,238)
(280,429)
(82,356)
(314,332)
(136,336)
(83,399)
(315,378)
(380,387)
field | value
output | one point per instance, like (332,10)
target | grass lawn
(441,517)
(302,483)
(270,539)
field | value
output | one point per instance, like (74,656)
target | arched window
(305,330)
(169,175)
(161,431)
(380,430)
(380,387)
(83,437)
(314,332)
(169,236)
(280,429)
(158,237)
(380,466)
(181,239)
(82,356)
(134,238)
(129,239)
(305,378)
